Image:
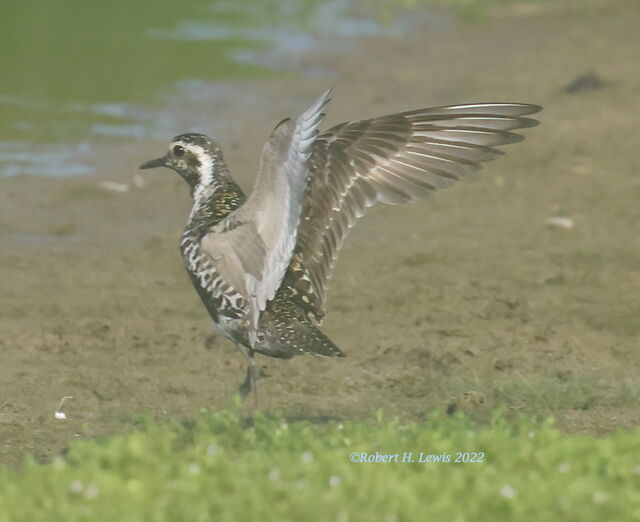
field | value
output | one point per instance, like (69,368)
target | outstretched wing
(392,159)
(252,247)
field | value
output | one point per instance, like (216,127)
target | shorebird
(261,263)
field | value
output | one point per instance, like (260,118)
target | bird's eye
(178,151)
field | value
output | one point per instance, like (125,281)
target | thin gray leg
(251,379)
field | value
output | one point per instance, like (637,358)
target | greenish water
(78,73)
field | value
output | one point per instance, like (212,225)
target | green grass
(224,467)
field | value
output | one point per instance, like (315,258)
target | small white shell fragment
(113,186)
(561,222)
(139,181)
(59,414)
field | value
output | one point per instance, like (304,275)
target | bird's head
(196,157)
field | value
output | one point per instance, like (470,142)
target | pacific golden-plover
(261,263)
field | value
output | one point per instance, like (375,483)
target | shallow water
(82,74)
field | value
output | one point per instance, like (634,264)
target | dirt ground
(464,301)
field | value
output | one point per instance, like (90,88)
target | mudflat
(518,287)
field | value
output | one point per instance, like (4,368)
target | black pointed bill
(154,163)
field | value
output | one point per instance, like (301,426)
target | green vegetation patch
(222,466)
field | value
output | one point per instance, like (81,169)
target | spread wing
(392,159)
(252,247)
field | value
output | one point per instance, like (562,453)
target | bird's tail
(285,338)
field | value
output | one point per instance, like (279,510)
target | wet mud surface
(464,301)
